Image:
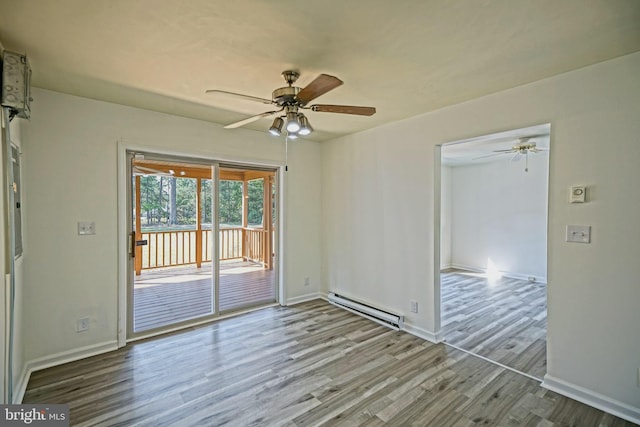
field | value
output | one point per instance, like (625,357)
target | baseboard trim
(538,279)
(508,274)
(467,268)
(21,386)
(59,359)
(422,333)
(591,398)
(304,298)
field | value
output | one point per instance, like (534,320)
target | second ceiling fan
(292,100)
(521,149)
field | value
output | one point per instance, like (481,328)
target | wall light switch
(579,233)
(578,194)
(86,228)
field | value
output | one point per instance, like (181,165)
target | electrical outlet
(82,325)
(86,228)
(414,306)
(307,281)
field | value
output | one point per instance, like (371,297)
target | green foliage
(185,201)
(153,199)
(230,202)
(157,209)
(256,204)
(207,203)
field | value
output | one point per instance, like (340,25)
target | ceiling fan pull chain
(286,154)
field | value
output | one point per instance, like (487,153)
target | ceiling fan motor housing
(285,96)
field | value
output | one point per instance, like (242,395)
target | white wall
(3,317)
(19,362)
(70,146)
(379,212)
(446,209)
(499,213)
(17,349)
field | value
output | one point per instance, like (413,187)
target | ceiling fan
(292,100)
(522,148)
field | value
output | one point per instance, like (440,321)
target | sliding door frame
(124,213)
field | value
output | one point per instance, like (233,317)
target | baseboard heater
(383,317)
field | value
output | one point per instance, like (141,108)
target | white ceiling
(404,58)
(481,149)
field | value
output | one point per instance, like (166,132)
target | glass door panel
(246,275)
(172,278)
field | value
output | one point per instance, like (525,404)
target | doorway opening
(493,247)
(203,241)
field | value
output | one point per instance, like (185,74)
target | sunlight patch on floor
(492,274)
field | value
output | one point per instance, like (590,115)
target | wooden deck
(170,295)
(504,320)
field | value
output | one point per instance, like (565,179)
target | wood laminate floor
(308,365)
(504,320)
(170,295)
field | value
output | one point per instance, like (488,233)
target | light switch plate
(579,233)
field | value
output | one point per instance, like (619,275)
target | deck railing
(178,247)
(256,240)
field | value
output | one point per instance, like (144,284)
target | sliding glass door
(202,241)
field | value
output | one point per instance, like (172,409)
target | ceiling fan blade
(250,119)
(321,85)
(344,109)
(516,157)
(510,150)
(240,95)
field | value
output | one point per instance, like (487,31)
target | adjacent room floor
(504,320)
(311,364)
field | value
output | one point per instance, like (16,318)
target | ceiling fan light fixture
(291,99)
(305,126)
(292,122)
(276,126)
(292,135)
